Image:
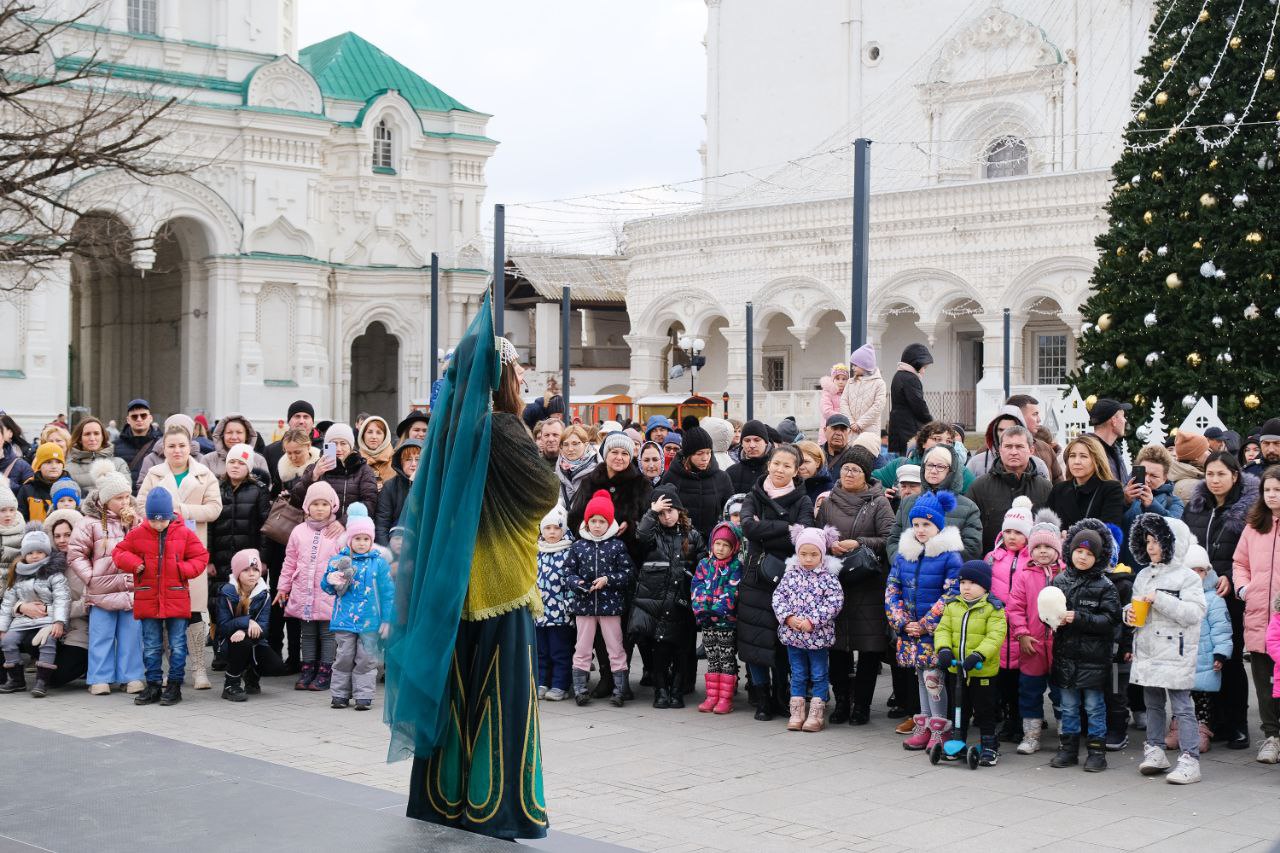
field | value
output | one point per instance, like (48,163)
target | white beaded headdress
(506,350)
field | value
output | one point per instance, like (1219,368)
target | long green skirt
(486,775)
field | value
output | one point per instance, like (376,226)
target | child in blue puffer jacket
(359,579)
(924,576)
(1213,652)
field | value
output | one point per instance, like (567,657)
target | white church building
(994,128)
(290,259)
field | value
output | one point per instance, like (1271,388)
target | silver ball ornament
(1229,119)
(1220,275)
(1152,358)
(1163,251)
(1217,321)
(1207,269)
(1252,312)
(1143,433)
(1240,200)
(1205,82)
(1150,320)
(1189,401)
(1224,358)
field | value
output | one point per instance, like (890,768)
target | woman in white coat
(1166,645)
(864,397)
(197,497)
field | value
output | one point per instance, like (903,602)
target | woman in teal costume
(462,665)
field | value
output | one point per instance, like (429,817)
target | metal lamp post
(693,348)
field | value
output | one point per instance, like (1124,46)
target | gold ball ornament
(1139,400)
(1269,74)
(1213,164)
(1173,281)
(1121,251)
(1209,201)
(1167,64)
(1157,175)
(1252,401)
(1253,237)
(1235,42)
(1184,215)
(1194,359)
(1197,245)
(1122,361)
(1162,98)
(1090,401)
(1203,16)
(1148,217)
(1104,322)
(1142,115)
(1145,254)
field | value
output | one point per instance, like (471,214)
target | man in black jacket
(908,410)
(1108,420)
(755,455)
(1010,476)
(139,434)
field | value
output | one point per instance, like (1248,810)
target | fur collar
(948,539)
(288,472)
(584,533)
(832,564)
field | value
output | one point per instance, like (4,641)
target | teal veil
(440,517)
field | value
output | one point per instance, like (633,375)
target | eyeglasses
(937,466)
(139,416)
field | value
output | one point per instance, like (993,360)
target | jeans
(933,703)
(115,647)
(1095,706)
(153,637)
(1184,711)
(1031,696)
(555,655)
(809,672)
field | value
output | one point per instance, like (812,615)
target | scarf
(902,365)
(776,492)
(545,547)
(570,468)
(379,458)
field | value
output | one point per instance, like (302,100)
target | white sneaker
(1187,772)
(99,689)
(1154,761)
(555,694)
(542,692)
(1030,744)
(1269,752)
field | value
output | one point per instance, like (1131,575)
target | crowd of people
(1127,590)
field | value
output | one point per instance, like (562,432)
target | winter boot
(252,682)
(1030,744)
(840,708)
(728,686)
(907,726)
(938,728)
(17,681)
(219,662)
(817,710)
(860,714)
(1096,759)
(44,675)
(990,755)
(232,690)
(171,695)
(308,675)
(197,636)
(1186,773)
(1010,728)
(324,676)
(605,688)
(619,689)
(796,723)
(1171,738)
(1206,737)
(150,693)
(713,693)
(764,703)
(580,694)
(1068,751)
(661,698)
(919,733)
(675,692)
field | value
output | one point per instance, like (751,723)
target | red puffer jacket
(168,560)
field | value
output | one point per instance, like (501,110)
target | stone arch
(993,30)
(803,299)
(987,123)
(282,237)
(376,377)
(928,291)
(1065,279)
(392,106)
(693,309)
(283,84)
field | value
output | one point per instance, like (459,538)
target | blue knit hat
(160,504)
(655,421)
(978,571)
(65,487)
(933,506)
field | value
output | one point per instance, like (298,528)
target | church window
(774,368)
(1006,157)
(142,17)
(1051,359)
(382,146)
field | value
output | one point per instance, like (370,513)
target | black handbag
(772,568)
(859,565)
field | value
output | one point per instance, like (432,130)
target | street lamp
(693,348)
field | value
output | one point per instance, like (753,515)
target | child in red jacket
(164,554)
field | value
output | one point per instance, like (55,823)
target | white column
(251,365)
(588,323)
(171,19)
(647,367)
(546,316)
(222,347)
(457,307)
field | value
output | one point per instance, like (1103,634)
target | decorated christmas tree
(1186,297)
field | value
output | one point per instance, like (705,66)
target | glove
(972,661)
(946,658)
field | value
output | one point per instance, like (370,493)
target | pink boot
(919,735)
(1206,735)
(938,726)
(1171,738)
(728,687)
(713,692)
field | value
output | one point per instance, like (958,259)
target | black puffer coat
(908,411)
(703,493)
(244,509)
(660,610)
(744,473)
(1082,651)
(1218,528)
(766,525)
(353,480)
(629,490)
(867,517)
(1100,499)
(393,495)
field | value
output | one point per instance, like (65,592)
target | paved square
(682,781)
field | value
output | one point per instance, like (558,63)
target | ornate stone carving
(284,85)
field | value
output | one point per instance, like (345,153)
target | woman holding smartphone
(341,467)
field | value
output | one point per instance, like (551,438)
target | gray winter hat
(36,540)
(7,499)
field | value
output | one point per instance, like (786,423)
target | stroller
(956,748)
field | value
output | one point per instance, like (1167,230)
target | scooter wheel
(973,756)
(935,754)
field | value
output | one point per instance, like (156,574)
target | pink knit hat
(358,521)
(320,490)
(821,538)
(243,559)
(1046,531)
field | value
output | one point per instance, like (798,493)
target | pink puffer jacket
(306,558)
(89,556)
(1023,612)
(1005,565)
(1273,649)
(1256,569)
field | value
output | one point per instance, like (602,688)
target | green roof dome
(348,68)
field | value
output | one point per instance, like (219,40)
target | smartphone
(331,450)
(1139,474)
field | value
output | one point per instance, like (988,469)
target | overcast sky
(586,95)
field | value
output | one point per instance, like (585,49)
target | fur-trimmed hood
(1103,530)
(1173,535)
(1245,495)
(948,539)
(831,563)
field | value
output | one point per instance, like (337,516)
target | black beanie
(302,406)
(667,490)
(693,437)
(756,428)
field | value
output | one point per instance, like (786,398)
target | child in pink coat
(1010,554)
(1033,637)
(306,558)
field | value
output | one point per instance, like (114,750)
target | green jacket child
(973,625)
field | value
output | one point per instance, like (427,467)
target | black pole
(499,268)
(566,313)
(1007,342)
(751,364)
(435,317)
(861,241)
